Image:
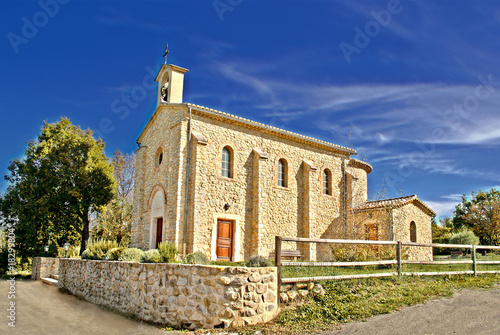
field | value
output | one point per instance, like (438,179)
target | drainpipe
(344,209)
(184,245)
(391,229)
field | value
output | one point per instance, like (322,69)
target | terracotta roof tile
(395,203)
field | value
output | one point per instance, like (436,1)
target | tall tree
(481,213)
(114,221)
(64,176)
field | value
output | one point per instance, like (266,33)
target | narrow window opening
(282,173)
(327,182)
(159,157)
(413,232)
(226,169)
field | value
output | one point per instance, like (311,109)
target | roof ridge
(388,199)
(286,132)
(394,202)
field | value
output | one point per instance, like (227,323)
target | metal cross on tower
(166,53)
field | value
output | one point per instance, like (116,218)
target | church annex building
(226,186)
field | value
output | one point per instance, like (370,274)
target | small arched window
(282,173)
(159,157)
(413,232)
(227,161)
(327,182)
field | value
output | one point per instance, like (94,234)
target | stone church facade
(226,186)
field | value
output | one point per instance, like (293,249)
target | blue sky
(413,86)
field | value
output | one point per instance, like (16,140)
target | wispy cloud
(390,121)
(442,208)
(115,18)
(386,112)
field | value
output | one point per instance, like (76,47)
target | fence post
(474,263)
(399,258)
(277,263)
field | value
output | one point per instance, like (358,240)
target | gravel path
(43,309)
(467,312)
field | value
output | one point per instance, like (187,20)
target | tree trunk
(85,232)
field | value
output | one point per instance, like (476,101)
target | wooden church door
(224,240)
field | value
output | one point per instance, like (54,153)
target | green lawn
(358,299)
(319,271)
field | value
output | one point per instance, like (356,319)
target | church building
(226,186)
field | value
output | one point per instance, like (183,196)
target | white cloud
(442,208)
(425,113)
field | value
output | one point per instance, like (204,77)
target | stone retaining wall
(44,267)
(189,296)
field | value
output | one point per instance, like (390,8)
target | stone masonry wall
(164,131)
(404,216)
(190,296)
(44,267)
(250,198)
(259,208)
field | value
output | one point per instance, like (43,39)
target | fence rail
(398,261)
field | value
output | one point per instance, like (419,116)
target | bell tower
(170,80)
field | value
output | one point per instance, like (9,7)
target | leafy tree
(114,220)
(464,237)
(481,214)
(440,231)
(64,176)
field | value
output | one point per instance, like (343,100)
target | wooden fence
(280,253)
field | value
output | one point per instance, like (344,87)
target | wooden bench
(291,253)
(456,254)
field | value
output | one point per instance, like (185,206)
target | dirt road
(43,309)
(467,312)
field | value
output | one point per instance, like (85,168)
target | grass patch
(319,271)
(358,299)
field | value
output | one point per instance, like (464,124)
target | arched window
(413,232)
(282,173)
(327,182)
(227,161)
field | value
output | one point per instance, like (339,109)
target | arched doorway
(157,231)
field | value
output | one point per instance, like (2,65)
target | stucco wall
(191,296)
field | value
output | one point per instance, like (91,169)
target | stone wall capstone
(188,296)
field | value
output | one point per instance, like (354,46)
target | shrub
(464,237)
(131,255)
(258,261)
(168,252)
(73,251)
(151,256)
(87,255)
(97,249)
(196,258)
(114,253)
